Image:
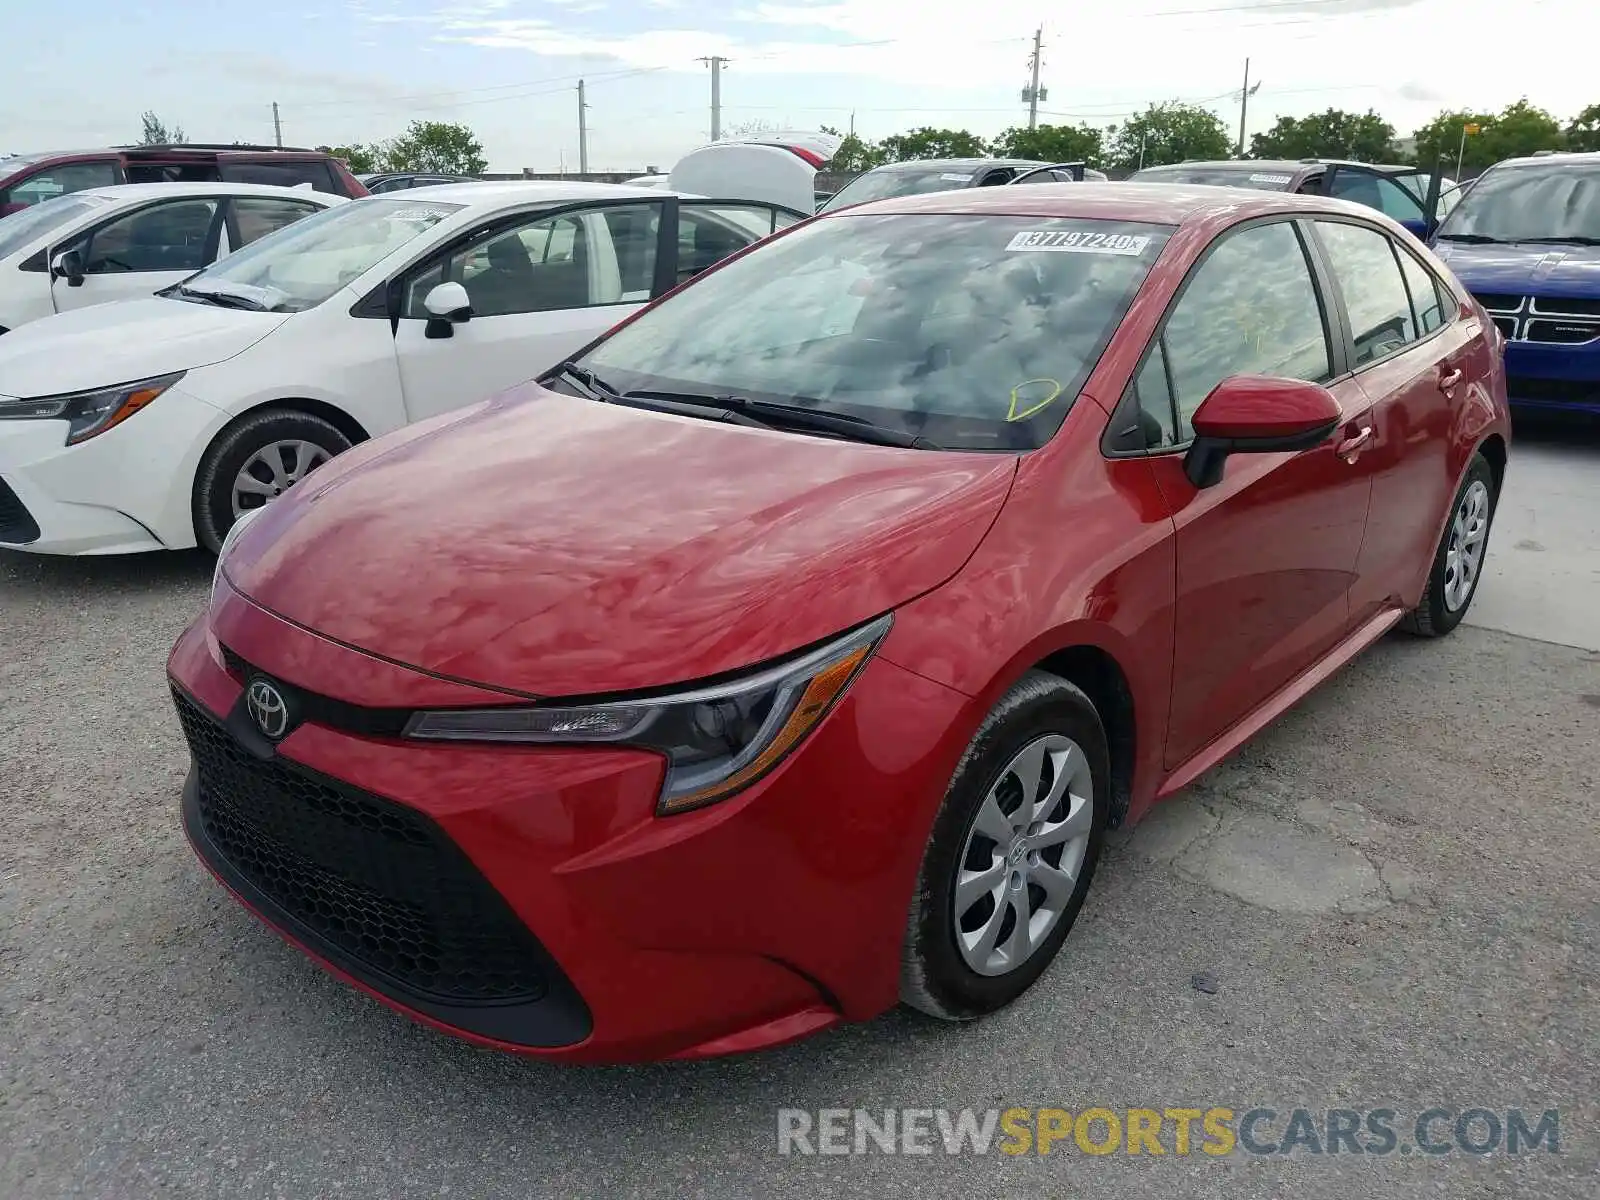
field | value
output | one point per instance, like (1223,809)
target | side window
(782,220)
(257,216)
(1374,191)
(58,181)
(707,234)
(635,233)
(282,174)
(164,237)
(1426,301)
(1151,392)
(1250,309)
(1374,292)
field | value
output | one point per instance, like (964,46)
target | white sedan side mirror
(447,305)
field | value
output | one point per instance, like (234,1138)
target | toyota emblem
(268,709)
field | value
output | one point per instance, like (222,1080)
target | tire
(943,948)
(305,438)
(1444,602)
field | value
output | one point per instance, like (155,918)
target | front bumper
(609,934)
(124,491)
(1541,375)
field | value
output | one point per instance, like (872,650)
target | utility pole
(1034,93)
(277,125)
(717,63)
(1244,100)
(583,132)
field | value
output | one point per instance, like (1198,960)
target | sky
(347,71)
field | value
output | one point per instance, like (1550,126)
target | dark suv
(30,178)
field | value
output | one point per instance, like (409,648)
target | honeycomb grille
(378,882)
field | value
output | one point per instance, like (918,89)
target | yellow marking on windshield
(1021,409)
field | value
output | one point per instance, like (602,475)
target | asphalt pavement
(1389,900)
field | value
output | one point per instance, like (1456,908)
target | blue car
(1525,240)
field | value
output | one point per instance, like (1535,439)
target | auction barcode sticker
(1080,241)
(956,175)
(1270,178)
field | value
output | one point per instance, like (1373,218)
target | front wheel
(1013,849)
(255,459)
(1458,562)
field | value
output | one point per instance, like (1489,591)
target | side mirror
(1257,414)
(447,306)
(68,265)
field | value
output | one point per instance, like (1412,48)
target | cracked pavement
(1393,892)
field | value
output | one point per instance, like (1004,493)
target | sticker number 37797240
(1080,241)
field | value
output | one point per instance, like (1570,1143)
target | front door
(541,288)
(141,252)
(1267,557)
(1397,194)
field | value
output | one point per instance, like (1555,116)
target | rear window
(1264,179)
(976,332)
(881,185)
(281,174)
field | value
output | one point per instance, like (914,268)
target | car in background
(1399,192)
(30,178)
(155,423)
(399,181)
(115,243)
(794,648)
(1525,240)
(917,176)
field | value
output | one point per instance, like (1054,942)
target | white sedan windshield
(34,222)
(301,265)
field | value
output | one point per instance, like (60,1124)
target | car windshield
(32,223)
(1265,179)
(974,332)
(301,265)
(1544,201)
(881,185)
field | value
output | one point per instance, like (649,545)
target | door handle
(1350,448)
(1448,379)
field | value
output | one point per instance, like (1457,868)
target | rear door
(1266,557)
(141,252)
(1415,357)
(250,218)
(541,287)
(710,230)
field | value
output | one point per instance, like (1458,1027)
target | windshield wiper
(223,299)
(795,416)
(1475,238)
(585,381)
(1576,239)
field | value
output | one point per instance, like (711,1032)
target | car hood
(547,545)
(1524,268)
(124,341)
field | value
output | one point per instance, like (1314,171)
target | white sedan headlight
(89,413)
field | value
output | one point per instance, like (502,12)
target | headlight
(717,740)
(89,413)
(229,538)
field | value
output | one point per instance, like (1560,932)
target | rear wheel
(1013,849)
(255,459)
(1458,562)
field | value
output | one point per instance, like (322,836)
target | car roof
(154,191)
(1571,158)
(935,164)
(1155,203)
(529,192)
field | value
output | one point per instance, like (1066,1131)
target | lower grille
(379,882)
(17,525)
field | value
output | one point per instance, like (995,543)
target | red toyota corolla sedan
(789,653)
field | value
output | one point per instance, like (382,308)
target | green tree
(1366,137)
(1517,129)
(1168,133)
(157,133)
(1051,143)
(361,160)
(1584,132)
(436,146)
(853,155)
(932,143)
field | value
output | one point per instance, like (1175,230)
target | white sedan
(156,423)
(114,243)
